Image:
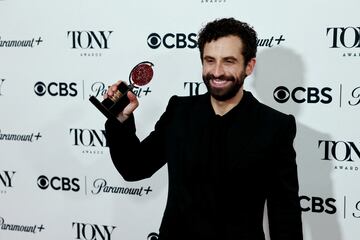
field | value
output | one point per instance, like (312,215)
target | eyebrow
(224,58)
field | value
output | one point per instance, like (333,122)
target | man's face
(223,67)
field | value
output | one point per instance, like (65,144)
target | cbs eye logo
(281,94)
(172,40)
(153,236)
(43,182)
(58,183)
(303,95)
(154,40)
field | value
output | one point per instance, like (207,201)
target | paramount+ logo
(283,94)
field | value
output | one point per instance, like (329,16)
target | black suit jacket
(221,170)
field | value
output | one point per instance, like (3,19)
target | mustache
(210,76)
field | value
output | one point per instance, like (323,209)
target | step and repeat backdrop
(57,180)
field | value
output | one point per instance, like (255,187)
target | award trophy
(140,75)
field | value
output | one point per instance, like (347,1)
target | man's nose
(218,70)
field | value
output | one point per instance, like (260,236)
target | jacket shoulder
(270,113)
(273,119)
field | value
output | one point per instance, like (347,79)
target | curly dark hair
(229,26)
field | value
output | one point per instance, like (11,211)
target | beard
(228,92)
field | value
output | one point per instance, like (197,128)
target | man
(226,153)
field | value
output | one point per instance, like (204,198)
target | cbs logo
(58,183)
(56,89)
(301,95)
(318,204)
(171,40)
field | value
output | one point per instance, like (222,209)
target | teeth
(218,80)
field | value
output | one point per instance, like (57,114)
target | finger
(134,103)
(112,89)
(131,96)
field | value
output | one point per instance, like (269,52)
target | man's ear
(250,66)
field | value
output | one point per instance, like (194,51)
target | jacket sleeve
(284,212)
(134,159)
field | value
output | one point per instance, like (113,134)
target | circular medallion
(142,74)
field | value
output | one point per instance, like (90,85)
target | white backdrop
(57,180)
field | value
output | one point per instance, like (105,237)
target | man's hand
(134,103)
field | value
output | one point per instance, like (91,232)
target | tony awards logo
(140,75)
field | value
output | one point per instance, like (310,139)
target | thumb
(134,103)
